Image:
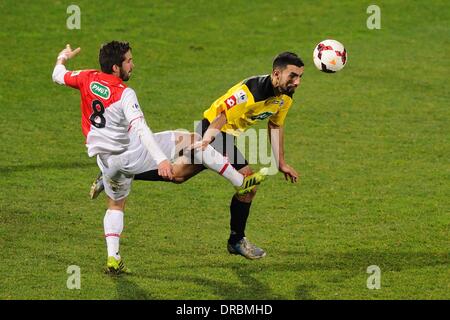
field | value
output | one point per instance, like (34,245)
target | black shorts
(225,144)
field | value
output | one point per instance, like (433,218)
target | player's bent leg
(185,168)
(173,143)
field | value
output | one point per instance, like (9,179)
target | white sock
(215,161)
(113,225)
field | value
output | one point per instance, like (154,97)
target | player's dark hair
(112,53)
(286,58)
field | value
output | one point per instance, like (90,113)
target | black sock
(151,175)
(239,213)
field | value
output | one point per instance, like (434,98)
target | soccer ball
(330,56)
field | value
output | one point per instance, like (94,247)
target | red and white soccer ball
(330,56)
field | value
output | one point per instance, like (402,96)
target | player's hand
(68,53)
(289,173)
(165,170)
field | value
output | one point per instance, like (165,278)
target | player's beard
(125,76)
(287,90)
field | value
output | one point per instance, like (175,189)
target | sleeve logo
(230,102)
(241,96)
(237,98)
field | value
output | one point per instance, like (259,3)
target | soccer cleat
(247,249)
(115,267)
(251,181)
(97,187)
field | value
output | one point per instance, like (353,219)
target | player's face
(127,67)
(288,79)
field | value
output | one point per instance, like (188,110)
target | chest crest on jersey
(100,90)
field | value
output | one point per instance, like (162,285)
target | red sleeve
(74,79)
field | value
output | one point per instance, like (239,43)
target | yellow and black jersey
(250,101)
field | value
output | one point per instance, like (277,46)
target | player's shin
(239,212)
(215,161)
(113,226)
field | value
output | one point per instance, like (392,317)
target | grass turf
(371,143)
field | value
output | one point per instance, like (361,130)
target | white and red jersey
(108,108)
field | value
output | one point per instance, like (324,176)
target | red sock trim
(224,168)
(112,235)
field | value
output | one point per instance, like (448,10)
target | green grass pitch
(371,143)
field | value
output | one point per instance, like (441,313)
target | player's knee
(116,204)
(178,179)
(252,193)
(248,197)
(181,177)
(246,171)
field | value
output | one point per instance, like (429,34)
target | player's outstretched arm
(60,69)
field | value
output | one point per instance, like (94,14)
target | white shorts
(119,170)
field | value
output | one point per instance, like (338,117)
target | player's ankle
(235,238)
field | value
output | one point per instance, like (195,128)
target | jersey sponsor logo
(261,116)
(100,90)
(237,98)
(230,102)
(241,96)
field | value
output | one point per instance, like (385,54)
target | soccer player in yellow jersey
(251,100)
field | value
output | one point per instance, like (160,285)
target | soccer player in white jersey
(110,114)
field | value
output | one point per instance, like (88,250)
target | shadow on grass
(337,267)
(248,286)
(355,261)
(127,289)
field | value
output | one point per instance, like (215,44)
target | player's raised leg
(192,161)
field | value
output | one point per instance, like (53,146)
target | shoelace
(250,246)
